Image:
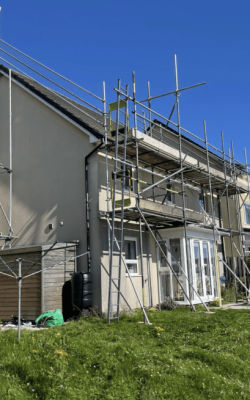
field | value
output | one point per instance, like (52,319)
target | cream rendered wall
(234,225)
(48,171)
(246,199)
(130,230)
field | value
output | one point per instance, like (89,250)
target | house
(170,200)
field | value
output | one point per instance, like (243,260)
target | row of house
(62,166)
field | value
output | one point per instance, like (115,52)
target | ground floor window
(168,284)
(198,264)
(131,258)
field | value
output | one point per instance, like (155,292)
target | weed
(168,304)
(228,293)
(215,303)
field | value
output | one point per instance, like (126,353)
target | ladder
(121,174)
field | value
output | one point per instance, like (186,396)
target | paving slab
(237,306)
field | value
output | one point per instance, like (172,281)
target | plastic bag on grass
(50,318)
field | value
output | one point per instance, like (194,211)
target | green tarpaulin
(52,318)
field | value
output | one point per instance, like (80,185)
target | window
(206,262)
(128,175)
(201,199)
(169,197)
(131,255)
(213,269)
(247,213)
(197,260)
(164,273)
(175,248)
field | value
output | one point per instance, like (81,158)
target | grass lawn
(183,355)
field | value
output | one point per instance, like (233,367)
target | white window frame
(247,217)
(201,241)
(135,261)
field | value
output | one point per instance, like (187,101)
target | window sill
(137,275)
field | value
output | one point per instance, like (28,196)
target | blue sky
(91,42)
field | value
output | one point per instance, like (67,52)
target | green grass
(183,355)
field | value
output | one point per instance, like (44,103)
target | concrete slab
(236,306)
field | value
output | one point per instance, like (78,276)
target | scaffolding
(215,174)
(134,144)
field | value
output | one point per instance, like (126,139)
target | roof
(61,104)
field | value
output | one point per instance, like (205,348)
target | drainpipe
(87,202)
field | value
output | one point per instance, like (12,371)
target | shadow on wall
(32,230)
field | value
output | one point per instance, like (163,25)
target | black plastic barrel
(82,290)
(67,308)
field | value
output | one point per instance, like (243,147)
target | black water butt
(82,290)
(67,308)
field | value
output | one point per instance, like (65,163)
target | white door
(203,264)
(168,284)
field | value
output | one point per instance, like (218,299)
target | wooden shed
(43,290)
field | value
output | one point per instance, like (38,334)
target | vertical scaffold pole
(107,164)
(149,111)
(189,272)
(246,166)
(228,214)
(239,223)
(138,195)
(19,296)
(123,182)
(10,155)
(113,206)
(211,202)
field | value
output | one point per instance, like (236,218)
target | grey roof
(60,102)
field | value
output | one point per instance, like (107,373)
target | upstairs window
(169,194)
(128,176)
(247,213)
(201,200)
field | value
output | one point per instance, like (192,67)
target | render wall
(128,296)
(48,171)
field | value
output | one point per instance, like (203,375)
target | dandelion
(74,374)
(28,384)
(60,353)
(51,368)
(159,334)
(34,351)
